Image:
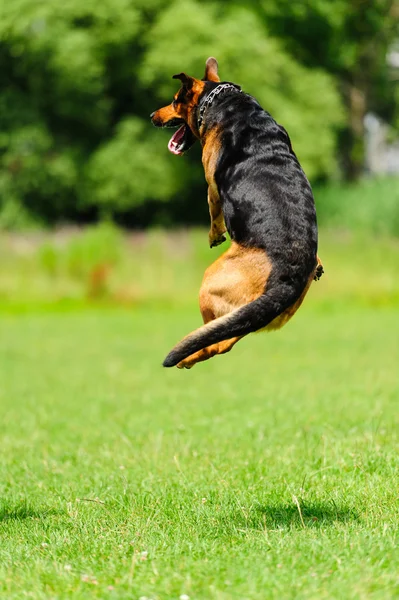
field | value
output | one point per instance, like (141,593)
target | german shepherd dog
(259,194)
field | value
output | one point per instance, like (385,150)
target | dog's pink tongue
(176,139)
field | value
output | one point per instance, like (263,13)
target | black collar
(210,98)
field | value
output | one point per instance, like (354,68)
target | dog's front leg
(218,227)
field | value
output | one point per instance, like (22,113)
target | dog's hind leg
(235,279)
(220,348)
(206,353)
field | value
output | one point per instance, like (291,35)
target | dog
(259,194)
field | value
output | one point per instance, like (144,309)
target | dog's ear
(211,70)
(186,80)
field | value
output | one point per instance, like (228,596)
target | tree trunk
(353,145)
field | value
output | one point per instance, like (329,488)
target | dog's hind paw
(183,365)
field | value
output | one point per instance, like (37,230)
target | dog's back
(266,198)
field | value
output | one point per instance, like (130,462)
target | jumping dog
(259,194)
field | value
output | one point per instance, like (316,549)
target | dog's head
(182,112)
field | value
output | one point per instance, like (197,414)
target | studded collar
(210,98)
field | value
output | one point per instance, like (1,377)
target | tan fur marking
(211,145)
(210,155)
(218,226)
(234,279)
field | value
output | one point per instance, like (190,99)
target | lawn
(271,472)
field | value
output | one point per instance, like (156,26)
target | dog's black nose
(152,114)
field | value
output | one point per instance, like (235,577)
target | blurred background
(94,207)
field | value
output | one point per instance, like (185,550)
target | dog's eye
(174,103)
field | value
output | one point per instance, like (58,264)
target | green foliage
(34,174)
(78,81)
(60,66)
(131,168)
(369,206)
(350,39)
(95,247)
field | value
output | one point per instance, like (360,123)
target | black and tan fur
(259,194)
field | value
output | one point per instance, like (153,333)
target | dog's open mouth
(181,140)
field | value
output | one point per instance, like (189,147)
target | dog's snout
(155,119)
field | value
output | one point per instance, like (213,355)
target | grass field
(267,473)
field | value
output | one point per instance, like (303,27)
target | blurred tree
(127,170)
(67,73)
(78,81)
(350,39)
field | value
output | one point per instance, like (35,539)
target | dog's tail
(251,317)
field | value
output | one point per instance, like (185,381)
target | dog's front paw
(319,272)
(216,239)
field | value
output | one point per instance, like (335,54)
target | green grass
(101,265)
(270,472)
